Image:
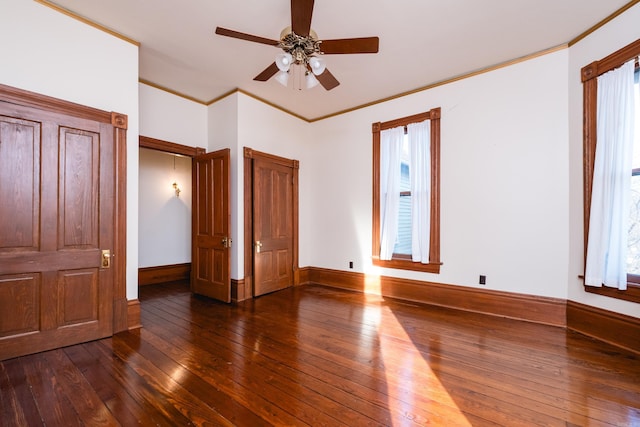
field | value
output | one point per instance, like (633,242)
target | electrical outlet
(351,264)
(483,279)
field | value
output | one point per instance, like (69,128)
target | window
(590,75)
(409,204)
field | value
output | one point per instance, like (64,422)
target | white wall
(511,153)
(223,133)
(504,180)
(164,231)
(271,131)
(239,121)
(172,118)
(50,53)
(606,40)
(164,234)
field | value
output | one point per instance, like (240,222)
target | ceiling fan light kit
(301,48)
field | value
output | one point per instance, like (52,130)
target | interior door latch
(106,258)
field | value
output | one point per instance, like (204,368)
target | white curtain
(608,228)
(390,156)
(420,148)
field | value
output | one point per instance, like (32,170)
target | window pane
(403,240)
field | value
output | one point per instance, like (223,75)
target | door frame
(125,314)
(169,148)
(245,290)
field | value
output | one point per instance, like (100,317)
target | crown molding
(89,22)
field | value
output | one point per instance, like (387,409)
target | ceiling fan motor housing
(300,48)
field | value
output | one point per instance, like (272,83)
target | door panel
(78,190)
(273,226)
(211,261)
(78,294)
(23,290)
(19,181)
(57,173)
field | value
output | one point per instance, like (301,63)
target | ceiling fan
(302,48)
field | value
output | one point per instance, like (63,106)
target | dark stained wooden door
(56,218)
(273,191)
(211,239)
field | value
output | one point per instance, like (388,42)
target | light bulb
(283,61)
(317,65)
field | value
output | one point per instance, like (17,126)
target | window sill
(402,264)
(631,294)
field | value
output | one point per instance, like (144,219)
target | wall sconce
(175,187)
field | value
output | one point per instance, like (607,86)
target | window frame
(404,262)
(589,75)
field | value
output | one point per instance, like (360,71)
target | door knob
(258,246)
(106,258)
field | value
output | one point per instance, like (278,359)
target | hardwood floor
(318,356)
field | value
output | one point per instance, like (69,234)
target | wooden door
(273,230)
(56,218)
(211,239)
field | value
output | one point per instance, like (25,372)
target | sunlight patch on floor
(416,395)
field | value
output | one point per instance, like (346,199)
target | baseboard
(304,274)
(239,291)
(550,311)
(614,328)
(163,274)
(133,314)
(120,315)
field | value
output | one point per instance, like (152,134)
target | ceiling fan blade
(243,36)
(301,12)
(357,45)
(327,80)
(268,72)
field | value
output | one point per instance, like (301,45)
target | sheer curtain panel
(420,172)
(608,224)
(390,156)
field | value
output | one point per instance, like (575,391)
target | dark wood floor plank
(90,408)
(248,374)
(516,410)
(415,399)
(187,403)
(310,388)
(411,396)
(138,386)
(471,374)
(209,394)
(54,406)
(113,390)
(493,358)
(367,407)
(11,408)
(315,355)
(452,412)
(22,390)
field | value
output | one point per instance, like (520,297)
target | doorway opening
(165,211)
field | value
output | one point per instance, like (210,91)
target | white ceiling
(422,42)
